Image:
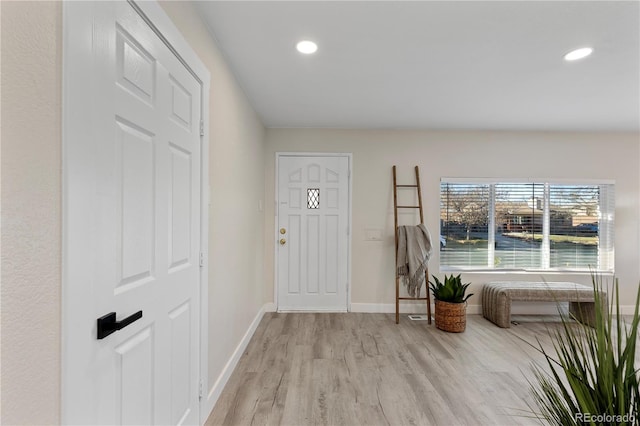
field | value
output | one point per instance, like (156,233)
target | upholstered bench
(498,295)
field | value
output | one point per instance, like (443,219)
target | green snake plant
(451,290)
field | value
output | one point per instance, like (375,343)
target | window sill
(526,271)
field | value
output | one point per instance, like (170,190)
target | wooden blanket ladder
(395,219)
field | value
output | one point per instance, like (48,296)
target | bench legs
(585,312)
(500,311)
(496,307)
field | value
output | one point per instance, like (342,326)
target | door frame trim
(75,51)
(349,157)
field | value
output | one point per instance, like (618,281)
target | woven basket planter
(451,317)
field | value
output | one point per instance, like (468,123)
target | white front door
(313,233)
(133,226)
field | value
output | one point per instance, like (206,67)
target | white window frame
(606,263)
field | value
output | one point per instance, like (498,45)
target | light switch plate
(373,234)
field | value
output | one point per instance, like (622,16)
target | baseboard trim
(627,309)
(410,307)
(388,308)
(223,378)
(517,308)
(314,310)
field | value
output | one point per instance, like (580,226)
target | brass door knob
(283,241)
(283,231)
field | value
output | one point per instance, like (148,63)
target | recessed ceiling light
(578,54)
(307,47)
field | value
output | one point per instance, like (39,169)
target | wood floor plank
(362,369)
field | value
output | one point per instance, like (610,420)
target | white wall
(31,200)
(236,167)
(457,154)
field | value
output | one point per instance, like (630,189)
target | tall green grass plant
(592,378)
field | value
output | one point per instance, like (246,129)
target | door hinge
(200,390)
(201,259)
(201,128)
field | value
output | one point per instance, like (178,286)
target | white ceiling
(435,64)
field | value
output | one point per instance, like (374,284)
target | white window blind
(526,226)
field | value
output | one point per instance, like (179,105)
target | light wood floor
(363,369)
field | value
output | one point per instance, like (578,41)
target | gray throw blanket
(414,251)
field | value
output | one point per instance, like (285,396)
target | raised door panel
(134,390)
(313,173)
(181,386)
(331,199)
(294,255)
(312,249)
(180,207)
(295,198)
(136,68)
(332,244)
(181,104)
(135,199)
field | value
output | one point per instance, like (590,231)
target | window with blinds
(489,225)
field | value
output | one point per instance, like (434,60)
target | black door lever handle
(108,324)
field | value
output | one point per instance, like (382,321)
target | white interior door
(133,231)
(313,233)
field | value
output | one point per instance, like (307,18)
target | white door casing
(312,255)
(132,221)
